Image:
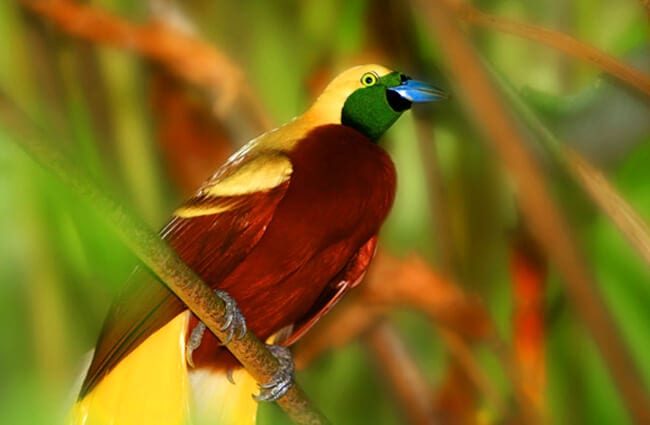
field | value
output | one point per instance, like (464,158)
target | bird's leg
(235,324)
(283,378)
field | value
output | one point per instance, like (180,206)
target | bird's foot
(235,321)
(235,324)
(283,378)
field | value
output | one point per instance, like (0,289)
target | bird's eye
(369,79)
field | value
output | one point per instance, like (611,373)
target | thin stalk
(603,194)
(546,221)
(438,205)
(558,41)
(156,255)
(402,373)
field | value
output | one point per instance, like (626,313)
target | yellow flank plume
(257,175)
(217,401)
(151,386)
(148,387)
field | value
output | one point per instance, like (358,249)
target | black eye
(369,79)
(403,78)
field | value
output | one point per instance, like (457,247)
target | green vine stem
(156,255)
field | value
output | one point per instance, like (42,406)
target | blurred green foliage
(60,265)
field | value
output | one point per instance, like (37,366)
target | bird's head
(370,98)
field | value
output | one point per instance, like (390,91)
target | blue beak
(419,92)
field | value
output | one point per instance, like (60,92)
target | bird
(281,231)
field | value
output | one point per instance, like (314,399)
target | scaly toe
(194,342)
(235,322)
(283,378)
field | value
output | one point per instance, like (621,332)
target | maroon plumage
(286,255)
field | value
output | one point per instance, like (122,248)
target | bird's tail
(152,386)
(217,401)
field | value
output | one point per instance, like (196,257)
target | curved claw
(235,324)
(283,378)
(194,342)
(235,321)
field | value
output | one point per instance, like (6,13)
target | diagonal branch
(624,217)
(561,42)
(156,255)
(400,370)
(184,55)
(602,192)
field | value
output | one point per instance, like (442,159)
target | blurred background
(512,283)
